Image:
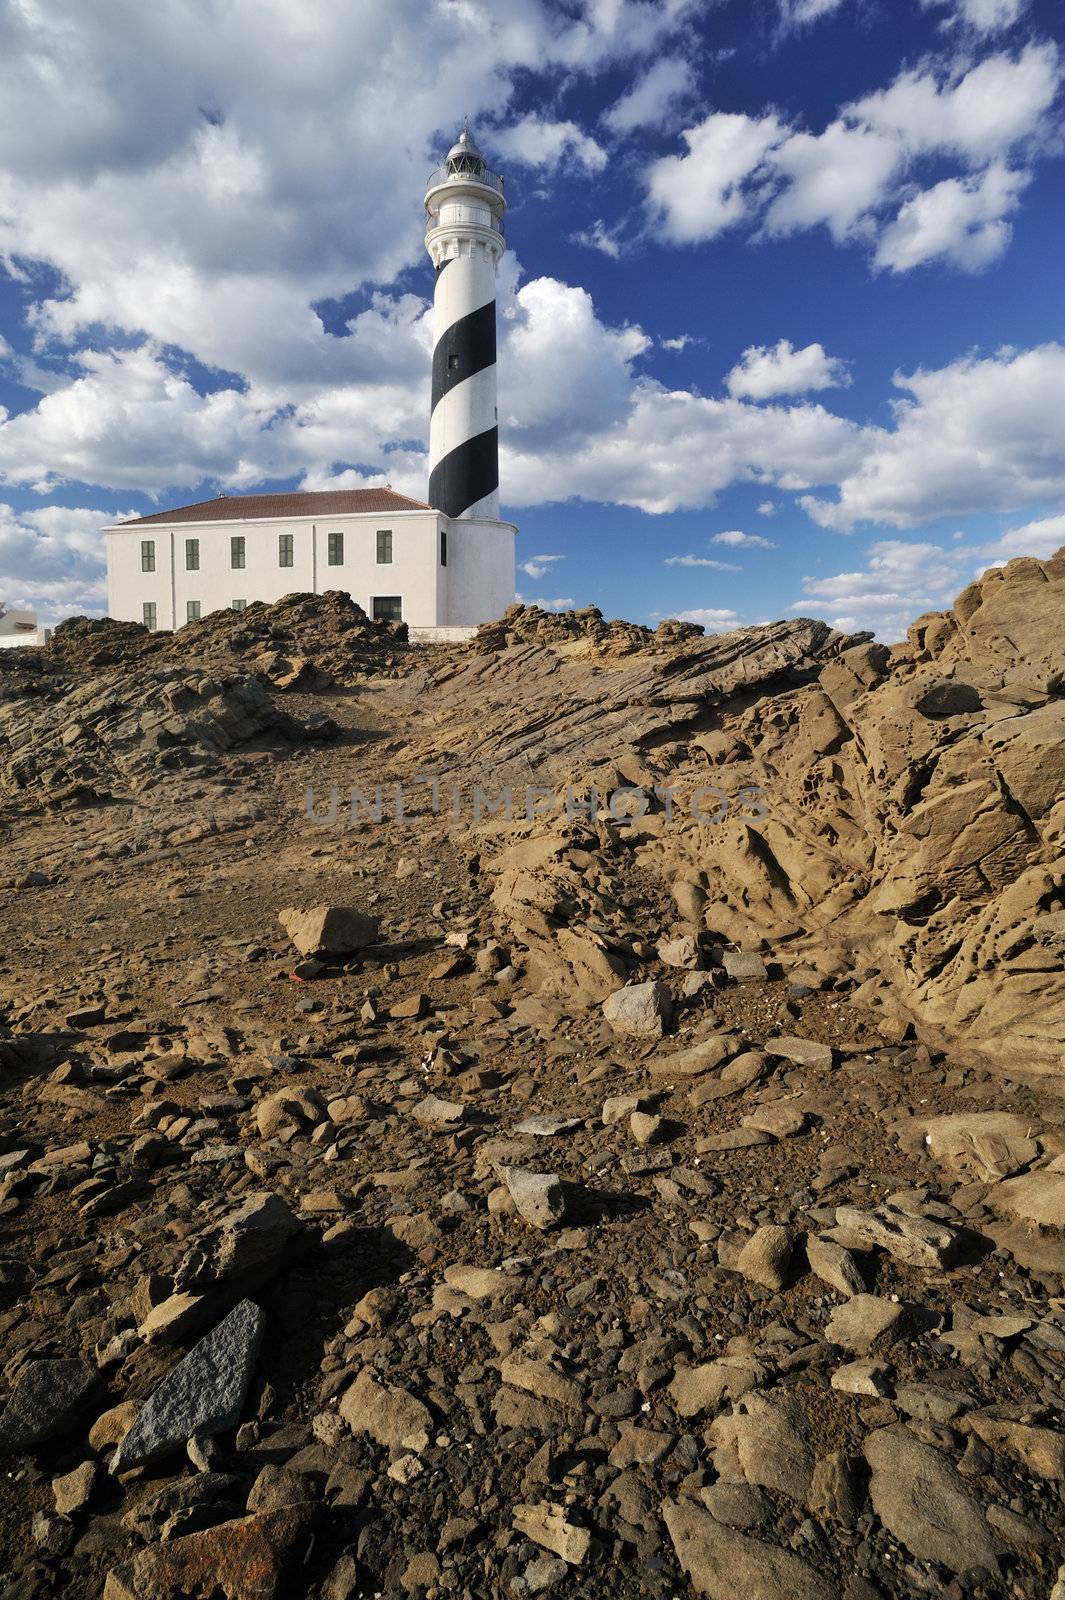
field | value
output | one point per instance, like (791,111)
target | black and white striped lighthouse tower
(464,207)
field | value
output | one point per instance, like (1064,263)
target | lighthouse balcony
(465,170)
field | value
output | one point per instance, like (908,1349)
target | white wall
(480,570)
(414,573)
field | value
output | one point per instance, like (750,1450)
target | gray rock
(921,1500)
(203,1394)
(433,1112)
(642,1009)
(744,966)
(723,1563)
(538,1196)
(548,1127)
(44,1402)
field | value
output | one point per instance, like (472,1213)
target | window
(387,608)
(443,547)
(150,615)
(453,362)
(284,549)
(384,546)
(192,611)
(147,555)
(240,605)
(236,550)
(192,555)
(336,549)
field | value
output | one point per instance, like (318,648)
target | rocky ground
(656,1200)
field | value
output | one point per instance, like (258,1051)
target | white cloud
(766,509)
(981,17)
(562,602)
(653,97)
(681,342)
(209,197)
(598,237)
(52,560)
(713,619)
(961,220)
(702,561)
(978,115)
(536,143)
(796,13)
(767,370)
(835,178)
(1042,539)
(699,195)
(738,540)
(976,435)
(855,176)
(902,579)
(537,566)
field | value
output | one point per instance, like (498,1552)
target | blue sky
(781,320)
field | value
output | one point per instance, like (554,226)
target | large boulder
(328,930)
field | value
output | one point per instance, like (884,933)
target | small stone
(781,1118)
(390,1415)
(111,1427)
(44,1402)
(865,1320)
(682,952)
(620,1106)
(546,1525)
(52,1533)
(915,1241)
(479,1283)
(538,1196)
(249,1559)
(804,1052)
(173,1319)
(73,1491)
(432,1112)
(766,1257)
(834,1265)
(643,1010)
(410,1008)
(744,966)
(645,1128)
(547,1127)
(862,1377)
(1041,1450)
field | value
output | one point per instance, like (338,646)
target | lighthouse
(464,207)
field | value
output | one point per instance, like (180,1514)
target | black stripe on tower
(466,474)
(468,346)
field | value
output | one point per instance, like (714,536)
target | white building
(21,628)
(443,566)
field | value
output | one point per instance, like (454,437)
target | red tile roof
(250,507)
